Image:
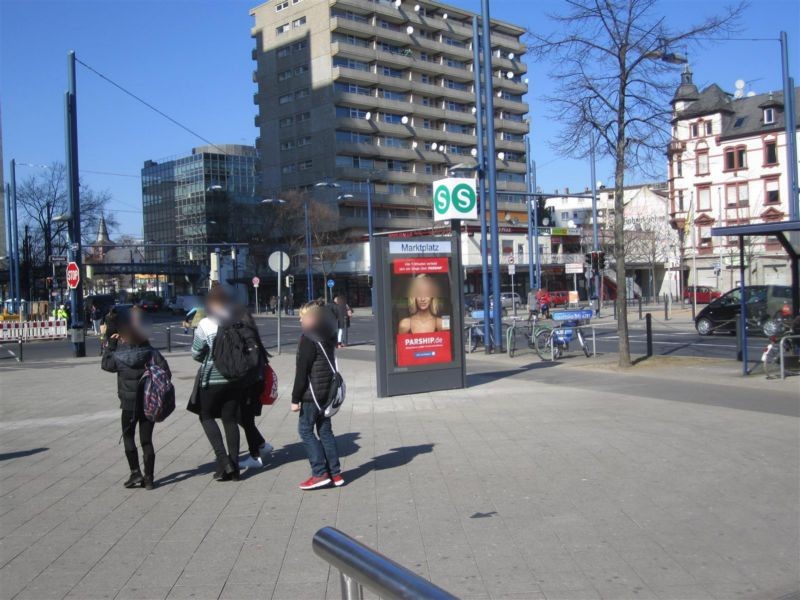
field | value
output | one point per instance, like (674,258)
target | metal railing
(783,353)
(361,567)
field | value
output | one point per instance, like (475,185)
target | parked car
(510,300)
(762,302)
(472,302)
(558,297)
(702,294)
(150,303)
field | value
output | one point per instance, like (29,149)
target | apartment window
(281,5)
(389,71)
(299,22)
(680,200)
(352,88)
(390,118)
(305,165)
(397,165)
(737,194)
(285,99)
(304,141)
(771,153)
(427,124)
(453,42)
(459,128)
(348,112)
(356,162)
(284,75)
(349,15)
(392,95)
(300,69)
(287,144)
(391,48)
(283,28)
(301,45)
(284,52)
(425,78)
(693,129)
(735,158)
(772,194)
(352,137)
(301,117)
(679,167)
(287,169)
(455,85)
(704,198)
(304,93)
(286,122)
(702,162)
(709,127)
(769,116)
(351,40)
(390,26)
(393,142)
(349,63)
(704,236)
(511,137)
(565,216)
(455,64)
(428,168)
(425,101)
(456,106)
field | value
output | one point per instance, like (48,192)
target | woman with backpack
(127,353)
(312,384)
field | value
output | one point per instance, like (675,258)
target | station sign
(455,198)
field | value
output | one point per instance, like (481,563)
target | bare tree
(613,88)
(44,196)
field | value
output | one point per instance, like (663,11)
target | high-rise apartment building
(379,90)
(203,198)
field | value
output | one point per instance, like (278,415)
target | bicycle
(551,343)
(526,329)
(782,338)
(474,333)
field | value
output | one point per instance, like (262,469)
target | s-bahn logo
(454,198)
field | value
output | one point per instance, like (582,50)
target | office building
(358,90)
(728,166)
(208,196)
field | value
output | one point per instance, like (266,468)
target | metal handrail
(360,566)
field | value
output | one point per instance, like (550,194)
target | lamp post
(595,236)
(326,184)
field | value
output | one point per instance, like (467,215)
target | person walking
(312,379)
(217,397)
(127,354)
(340,310)
(96,316)
(273,304)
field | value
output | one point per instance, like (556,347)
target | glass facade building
(194,200)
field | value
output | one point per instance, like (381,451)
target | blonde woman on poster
(423,307)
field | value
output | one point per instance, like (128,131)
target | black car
(762,301)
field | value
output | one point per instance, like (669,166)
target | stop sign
(73,275)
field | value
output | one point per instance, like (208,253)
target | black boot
(149,467)
(226,470)
(136,479)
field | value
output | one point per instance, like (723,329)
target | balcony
(353,75)
(510,126)
(675,147)
(512,106)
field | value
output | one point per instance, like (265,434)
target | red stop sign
(73,275)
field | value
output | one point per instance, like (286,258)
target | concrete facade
(357,90)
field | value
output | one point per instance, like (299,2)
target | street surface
(677,478)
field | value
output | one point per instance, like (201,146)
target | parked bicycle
(553,342)
(524,326)
(474,333)
(783,336)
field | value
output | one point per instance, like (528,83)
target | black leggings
(221,401)
(129,421)
(248,422)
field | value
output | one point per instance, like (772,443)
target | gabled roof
(711,100)
(748,115)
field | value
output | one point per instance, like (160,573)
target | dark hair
(217,295)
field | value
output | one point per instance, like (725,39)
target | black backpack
(237,352)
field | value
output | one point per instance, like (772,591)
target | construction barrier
(33,330)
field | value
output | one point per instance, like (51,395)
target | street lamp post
(328,184)
(595,236)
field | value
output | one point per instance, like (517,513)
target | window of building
(298,46)
(769,116)
(285,99)
(704,198)
(286,122)
(304,141)
(281,5)
(455,64)
(356,162)
(300,69)
(352,88)
(678,167)
(284,75)
(304,165)
(772,194)
(680,200)
(391,48)
(736,195)
(284,52)
(455,106)
(427,124)
(349,112)
(693,130)
(771,152)
(353,137)
(453,42)
(704,237)
(350,40)
(287,144)
(709,127)
(304,93)
(299,22)
(286,169)
(301,117)
(283,28)
(735,158)
(392,95)
(425,100)
(425,78)
(350,63)
(702,162)
(349,15)
(389,71)
(392,118)
(390,26)
(455,85)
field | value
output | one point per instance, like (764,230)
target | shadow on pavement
(396,457)
(179,476)
(21,453)
(484,377)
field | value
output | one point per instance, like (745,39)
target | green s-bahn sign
(455,198)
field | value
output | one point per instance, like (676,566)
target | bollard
(738,339)
(19,350)
(640,307)
(169,338)
(648,324)
(615,309)
(666,307)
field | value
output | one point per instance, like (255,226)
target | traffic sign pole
(256,283)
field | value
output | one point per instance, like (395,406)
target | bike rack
(790,336)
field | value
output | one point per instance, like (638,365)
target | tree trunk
(619,225)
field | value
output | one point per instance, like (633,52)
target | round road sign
(331,283)
(256,281)
(274,261)
(73,275)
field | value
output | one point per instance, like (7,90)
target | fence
(33,330)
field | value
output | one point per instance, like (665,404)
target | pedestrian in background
(96,316)
(217,397)
(315,349)
(127,353)
(340,309)
(273,304)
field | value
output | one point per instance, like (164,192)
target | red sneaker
(338,480)
(313,483)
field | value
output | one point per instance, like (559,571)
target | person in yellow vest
(60,313)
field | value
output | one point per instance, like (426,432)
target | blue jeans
(322,452)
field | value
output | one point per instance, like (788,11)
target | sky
(192,60)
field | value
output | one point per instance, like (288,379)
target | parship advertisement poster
(422,306)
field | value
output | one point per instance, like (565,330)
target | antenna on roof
(739,93)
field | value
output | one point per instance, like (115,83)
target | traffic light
(289,281)
(601,260)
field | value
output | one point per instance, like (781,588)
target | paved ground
(678,479)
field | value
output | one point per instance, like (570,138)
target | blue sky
(191,59)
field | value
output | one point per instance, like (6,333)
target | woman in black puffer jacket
(126,354)
(314,351)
